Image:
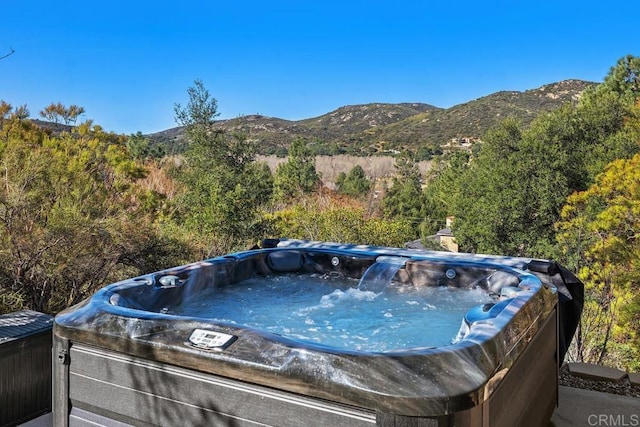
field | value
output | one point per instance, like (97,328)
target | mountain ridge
(375,128)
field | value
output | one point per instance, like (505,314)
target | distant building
(443,238)
(446,239)
(464,143)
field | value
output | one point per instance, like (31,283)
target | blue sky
(128,62)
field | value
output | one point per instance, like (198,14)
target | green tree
(21,112)
(224,188)
(404,200)
(355,183)
(142,149)
(445,180)
(5,109)
(598,232)
(603,114)
(56,112)
(72,113)
(52,112)
(298,174)
(624,79)
(512,192)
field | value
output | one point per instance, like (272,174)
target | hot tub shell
(117,360)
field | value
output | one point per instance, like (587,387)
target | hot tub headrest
(285,261)
(500,279)
(549,268)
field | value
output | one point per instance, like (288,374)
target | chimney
(449,221)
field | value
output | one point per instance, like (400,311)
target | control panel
(210,340)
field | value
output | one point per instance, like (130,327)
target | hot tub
(190,345)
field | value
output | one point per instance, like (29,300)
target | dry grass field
(157,178)
(379,169)
(329,167)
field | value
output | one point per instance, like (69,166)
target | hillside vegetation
(386,128)
(557,175)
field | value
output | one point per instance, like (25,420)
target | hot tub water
(336,313)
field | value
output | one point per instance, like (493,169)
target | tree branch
(11,52)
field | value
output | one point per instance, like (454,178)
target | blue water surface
(332,311)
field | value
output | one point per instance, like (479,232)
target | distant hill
(328,131)
(52,127)
(378,128)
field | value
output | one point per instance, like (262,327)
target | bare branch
(11,52)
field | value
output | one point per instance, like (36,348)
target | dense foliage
(355,183)
(546,191)
(599,233)
(71,215)
(337,220)
(297,176)
(404,198)
(507,197)
(224,187)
